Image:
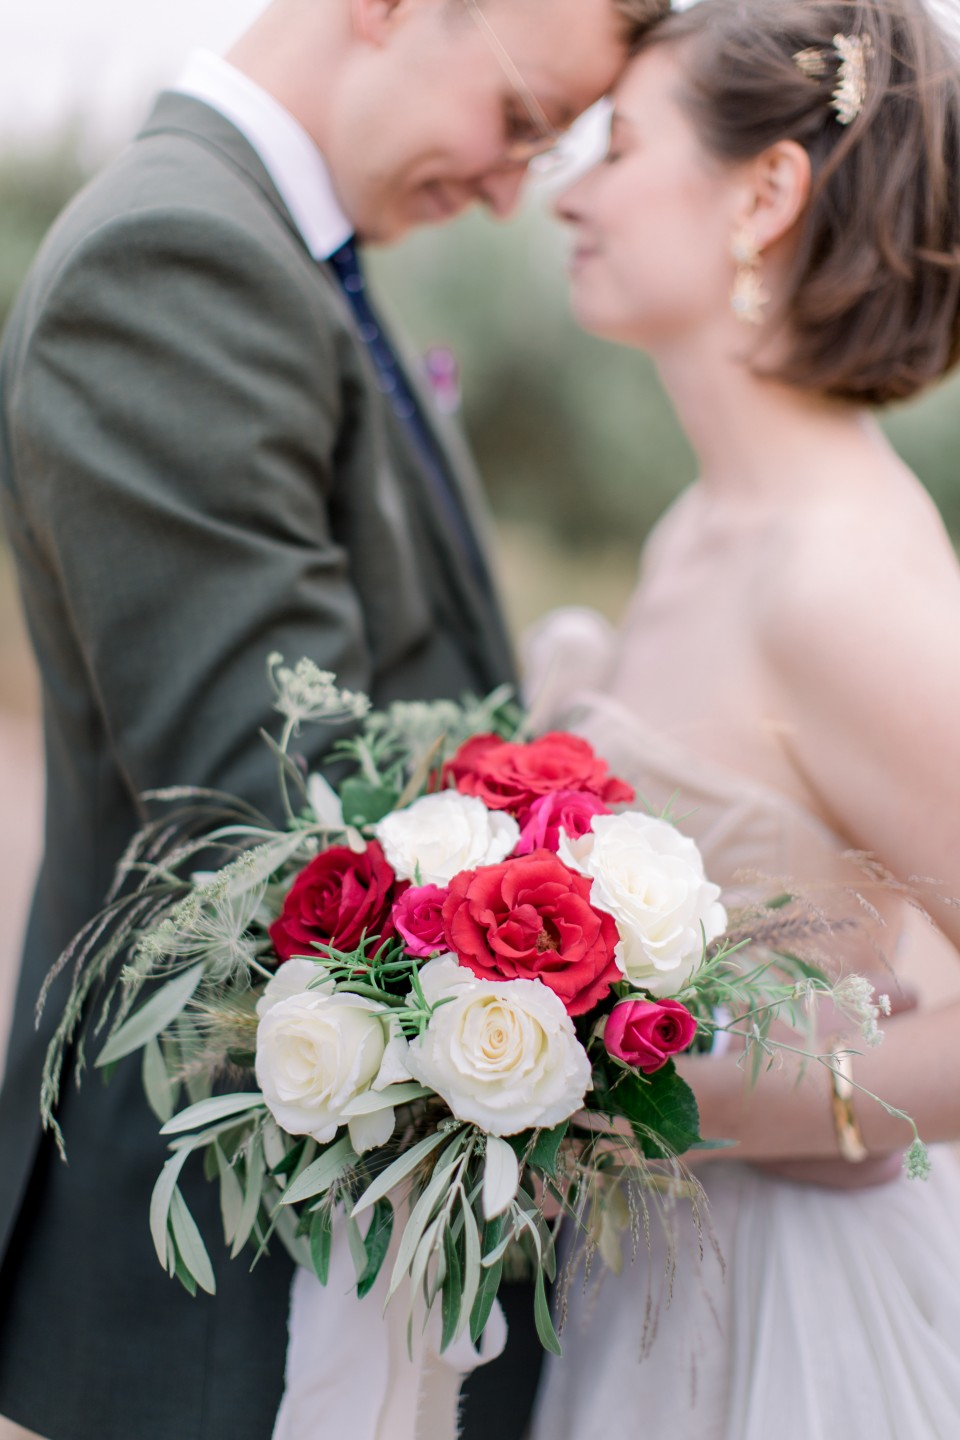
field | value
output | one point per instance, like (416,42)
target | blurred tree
(33,190)
(575,438)
(927,434)
(573,434)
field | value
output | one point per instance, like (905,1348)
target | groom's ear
(781,180)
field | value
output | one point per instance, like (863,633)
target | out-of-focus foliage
(927,434)
(571,432)
(575,438)
(33,191)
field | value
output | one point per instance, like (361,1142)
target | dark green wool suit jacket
(196,468)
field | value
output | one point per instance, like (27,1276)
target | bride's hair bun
(874,302)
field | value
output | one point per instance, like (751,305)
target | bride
(777,222)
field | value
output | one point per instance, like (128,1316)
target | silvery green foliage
(916,1162)
(211,923)
(307,693)
(432,730)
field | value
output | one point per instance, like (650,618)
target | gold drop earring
(748,298)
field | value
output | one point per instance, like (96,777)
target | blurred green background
(574,437)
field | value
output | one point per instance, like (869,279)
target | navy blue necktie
(394,384)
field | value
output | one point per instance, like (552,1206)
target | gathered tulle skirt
(831,1313)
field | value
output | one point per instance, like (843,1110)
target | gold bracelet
(849,1138)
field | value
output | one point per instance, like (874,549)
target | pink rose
(418,917)
(567,810)
(645,1033)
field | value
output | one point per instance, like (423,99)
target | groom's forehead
(570,50)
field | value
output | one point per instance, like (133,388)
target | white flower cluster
(503,1055)
(308,693)
(855,997)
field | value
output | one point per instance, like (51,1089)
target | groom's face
(451,99)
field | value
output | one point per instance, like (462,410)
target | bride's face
(653,222)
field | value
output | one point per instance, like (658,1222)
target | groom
(209,450)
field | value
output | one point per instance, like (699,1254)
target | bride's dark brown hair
(873,303)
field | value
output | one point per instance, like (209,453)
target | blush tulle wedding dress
(833,1313)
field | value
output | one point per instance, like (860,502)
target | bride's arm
(862,645)
(863,648)
(787,1114)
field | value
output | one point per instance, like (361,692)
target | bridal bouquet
(424,1005)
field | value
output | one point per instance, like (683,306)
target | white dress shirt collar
(289,156)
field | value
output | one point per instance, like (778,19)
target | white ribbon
(348,1372)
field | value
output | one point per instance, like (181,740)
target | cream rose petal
(293,977)
(439,835)
(316,1053)
(650,878)
(503,1055)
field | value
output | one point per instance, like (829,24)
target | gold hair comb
(852,52)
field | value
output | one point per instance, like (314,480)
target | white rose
(315,1054)
(650,878)
(502,1055)
(438,836)
(293,977)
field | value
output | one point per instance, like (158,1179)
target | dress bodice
(756,841)
(747,1347)
(741,825)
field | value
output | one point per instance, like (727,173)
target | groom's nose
(500,189)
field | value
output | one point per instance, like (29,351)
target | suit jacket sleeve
(178,406)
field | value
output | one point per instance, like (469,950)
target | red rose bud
(336,900)
(568,810)
(531,919)
(509,776)
(418,918)
(645,1033)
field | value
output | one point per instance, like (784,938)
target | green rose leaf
(365,804)
(660,1107)
(546,1148)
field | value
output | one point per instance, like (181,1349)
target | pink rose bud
(567,810)
(418,917)
(645,1033)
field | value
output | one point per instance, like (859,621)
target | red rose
(510,776)
(567,810)
(531,919)
(645,1033)
(334,901)
(418,918)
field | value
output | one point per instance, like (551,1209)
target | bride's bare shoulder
(669,528)
(869,572)
(861,645)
